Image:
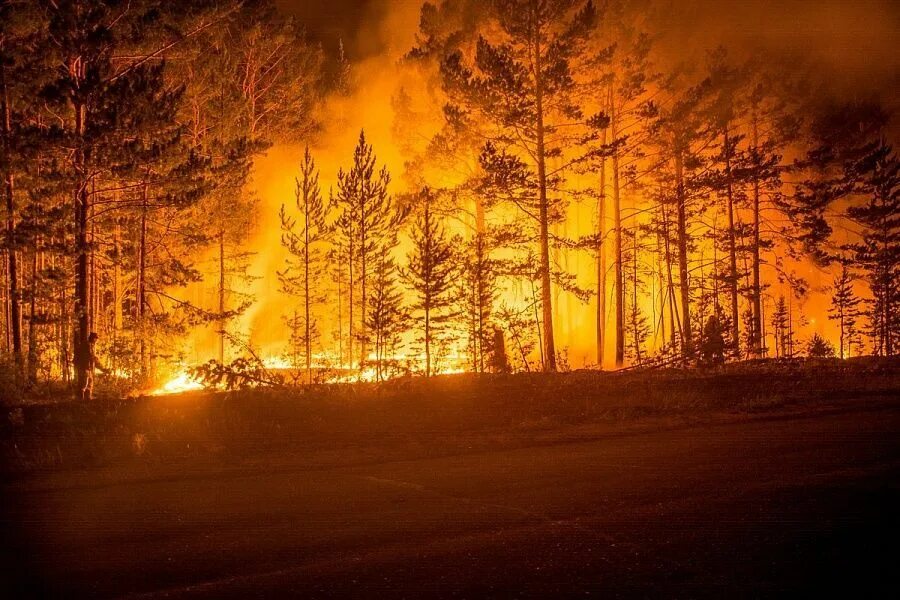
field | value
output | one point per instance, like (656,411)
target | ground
(770,498)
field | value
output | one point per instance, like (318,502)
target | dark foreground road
(763,506)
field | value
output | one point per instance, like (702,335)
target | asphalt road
(760,507)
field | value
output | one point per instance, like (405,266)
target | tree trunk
(142,286)
(732,248)
(307,340)
(479,303)
(15,316)
(601,258)
(80,300)
(661,282)
(841,322)
(670,287)
(546,292)
(684,283)
(617,225)
(340,317)
(756,292)
(117,282)
(350,304)
(32,313)
(221,296)
(7,341)
(427,339)
(634,299)
(363,255)
(537,325)
(64,339)
(362,307)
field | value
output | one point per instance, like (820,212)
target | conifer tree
(369,217)
(637,328)
(21,71)
(849,160)
(387,316)
(819,347)
(477,294)
(251,81)
(214,112)
(521,84)
(876,176)
(725,107)
(104,102)
(431,272)
(781,328)
(763,173)
(844,309)
(304,242)
(628,107)
(679,131)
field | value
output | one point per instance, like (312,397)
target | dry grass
(444,414)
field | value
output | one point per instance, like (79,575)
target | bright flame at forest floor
(184,381)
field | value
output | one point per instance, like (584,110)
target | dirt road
(761,506)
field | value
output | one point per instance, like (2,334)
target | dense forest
(557,172)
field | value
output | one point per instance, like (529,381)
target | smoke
(380,38)
(847,47)
(852,43)
(850,46)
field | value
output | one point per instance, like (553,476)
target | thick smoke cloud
(844,49)
(852,44)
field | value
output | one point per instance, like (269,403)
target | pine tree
(627,104)
(251,81)
(819,347)
(278,73)
(430,272)
(21,72)
(477,295)
(876,176)
(387,317)
(368,219)
(107,106)
(726,81)
(521,85)
(214,111)
(849,160)
(637,328)
(304,243)
(780,325)
(520,326)
(678,130)
(844,309)
(763,174)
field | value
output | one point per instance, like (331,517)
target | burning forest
(404,200)
(216,196)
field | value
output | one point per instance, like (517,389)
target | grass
(444,414)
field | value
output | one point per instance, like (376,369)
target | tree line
(129,134)
(715,185)
(719,182)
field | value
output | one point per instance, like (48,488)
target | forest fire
(454,298)
(633,208)
(181,382)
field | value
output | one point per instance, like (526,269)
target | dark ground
(779,500)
